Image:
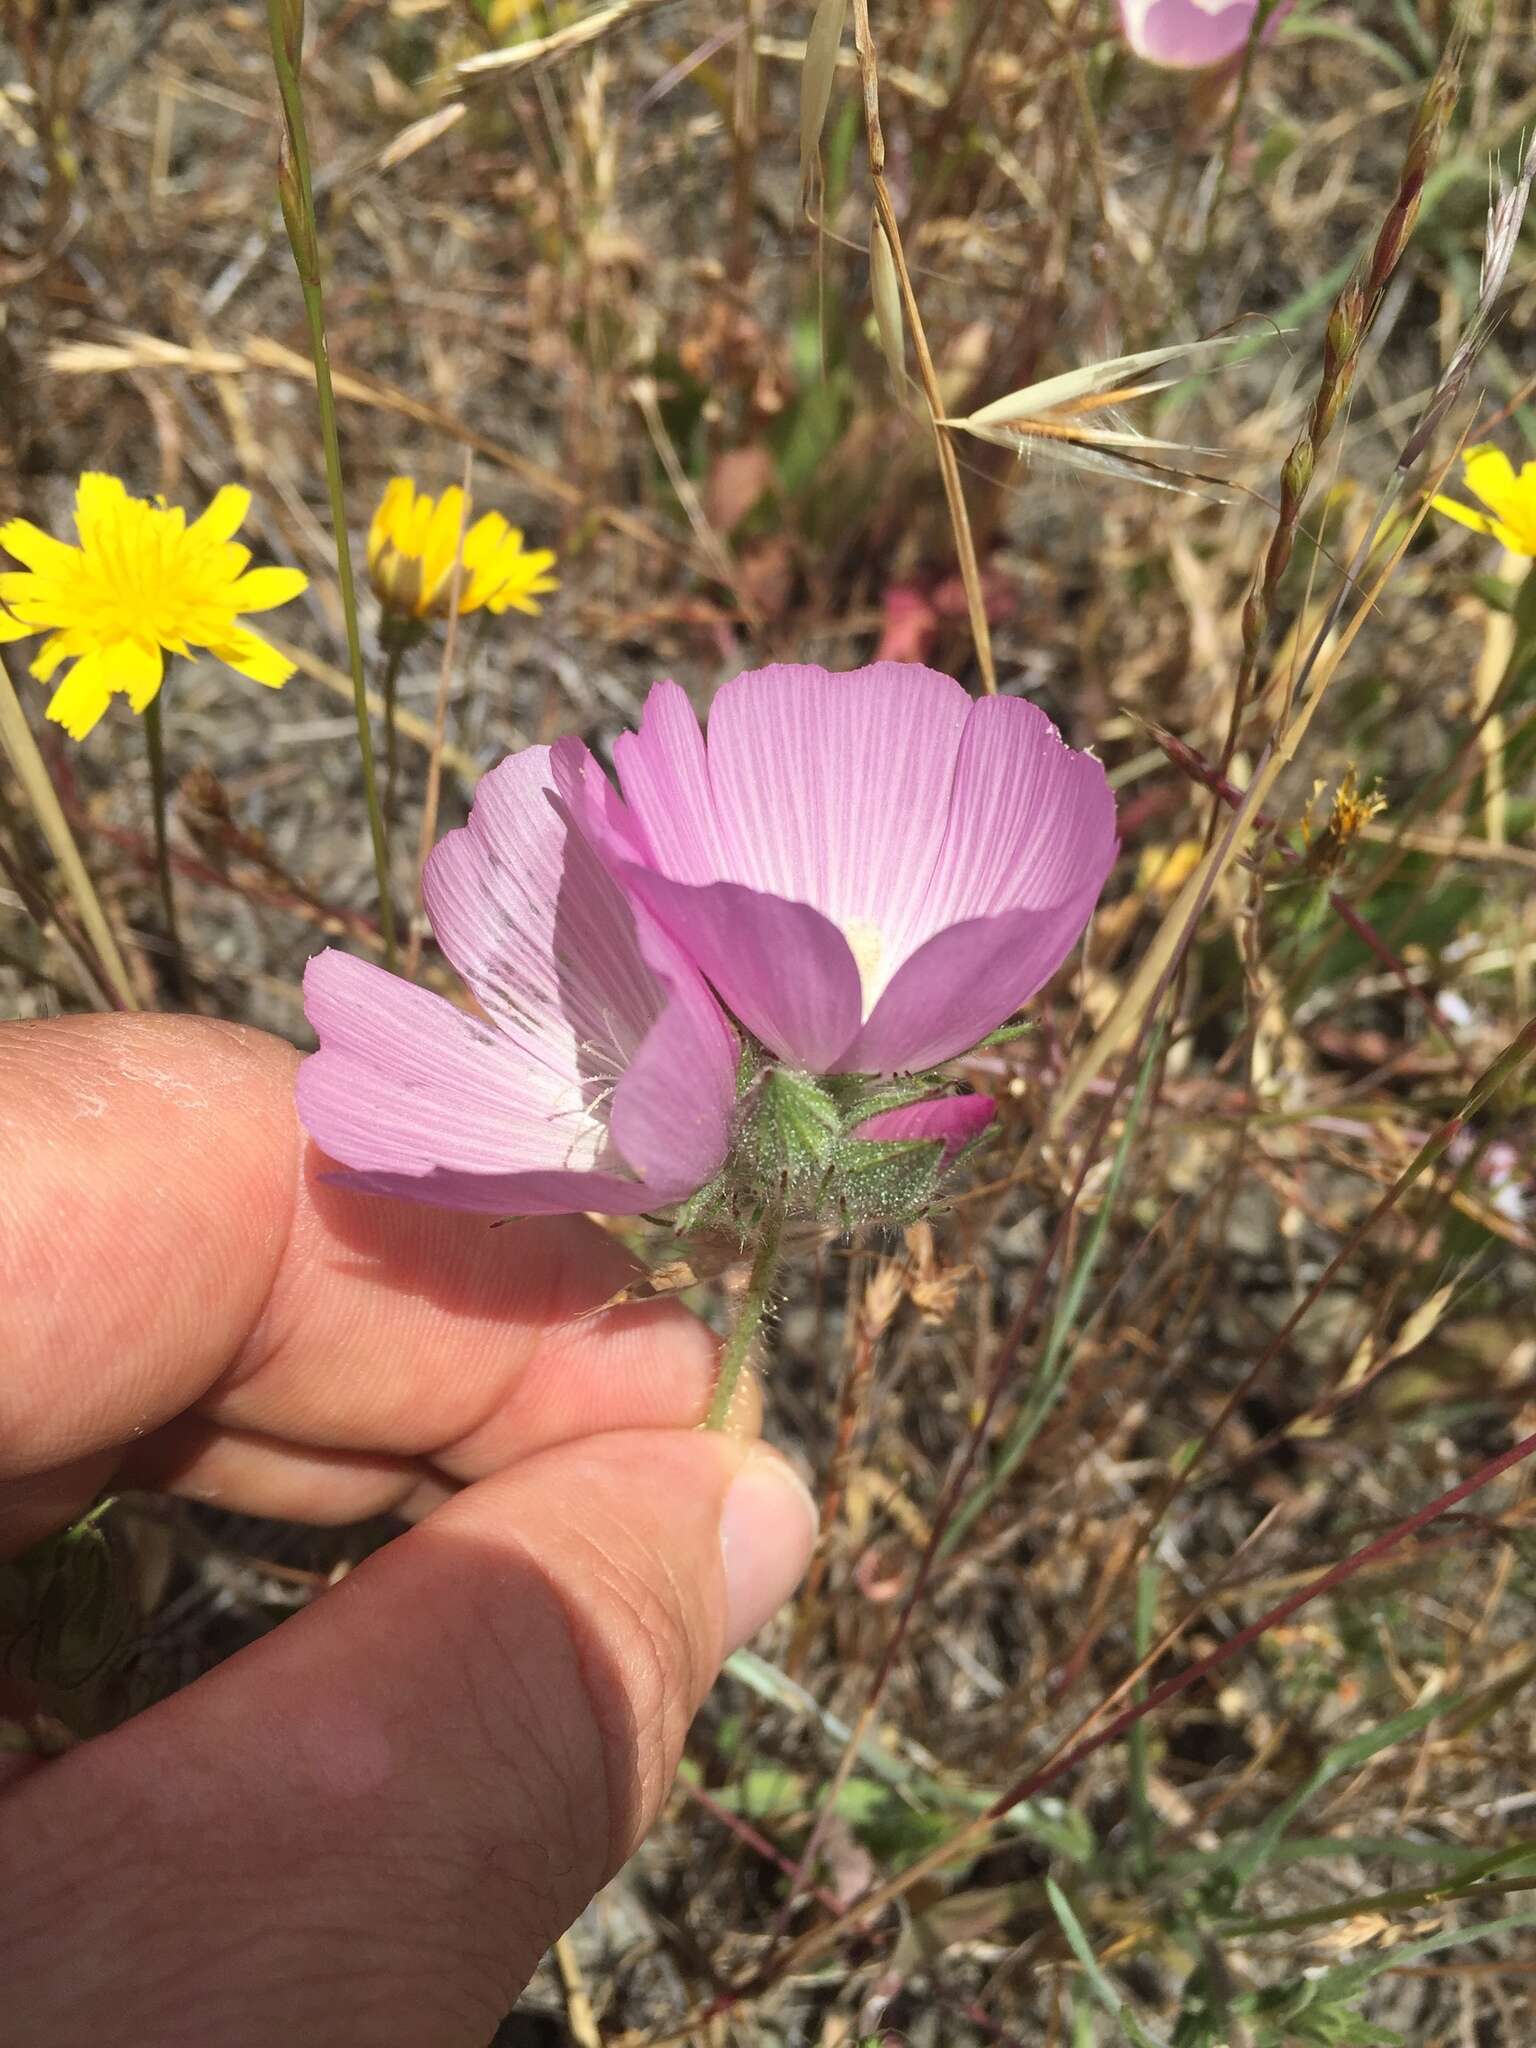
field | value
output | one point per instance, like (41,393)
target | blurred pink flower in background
(873,870)
(1187,35)
(606,1076)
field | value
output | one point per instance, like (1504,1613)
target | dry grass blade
(816,79)
(560,42)
(32,773)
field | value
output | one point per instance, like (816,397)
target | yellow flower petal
(1464,515)
(1489,475)
(82,697)
(39,550)
(249,655)
(100,502)
(441,549)
(258,590)
(137,667)
(12,628)
(390,515)
(54,650)
(224,517)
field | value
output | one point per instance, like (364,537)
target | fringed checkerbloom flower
(415,544)
(870,871)
(142,584)
(874,870)
(1509,498)
(1187,35)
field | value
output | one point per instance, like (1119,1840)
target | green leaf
(1099,1984)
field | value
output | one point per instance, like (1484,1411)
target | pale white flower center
(866,942)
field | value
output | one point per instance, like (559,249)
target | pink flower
(1189,34)
(873,870)
(605,1078)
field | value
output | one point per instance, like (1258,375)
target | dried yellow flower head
(1352,810)
(417,543)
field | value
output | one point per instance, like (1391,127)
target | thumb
(368,1827)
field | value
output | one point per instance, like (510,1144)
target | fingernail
(767,1533)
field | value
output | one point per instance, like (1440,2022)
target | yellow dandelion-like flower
(1510,499)
(142,584)
(415,542)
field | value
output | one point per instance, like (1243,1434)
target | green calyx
(794,1153)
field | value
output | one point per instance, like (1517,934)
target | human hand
(367,1827)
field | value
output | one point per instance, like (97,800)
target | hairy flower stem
(295,188)
(159,796)
(738,1346)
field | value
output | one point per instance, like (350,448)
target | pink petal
(1186,34)
(824,789)
(577,977)
(780,966)
(963,983)
(955,1120)
(1031,822)
(536,925)
(672,1111)
(422,1100)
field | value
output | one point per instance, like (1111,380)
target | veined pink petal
(964,982)
(1187,35)
(777,963)
(871,870)
(1031,822)
(954,1120)
(605,1077)
(533,921)
(420,1099)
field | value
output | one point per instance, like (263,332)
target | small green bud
(791,1125)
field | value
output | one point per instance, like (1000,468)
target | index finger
(168,1244)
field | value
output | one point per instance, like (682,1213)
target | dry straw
(821,53)
(32,774)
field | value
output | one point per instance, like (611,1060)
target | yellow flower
(1511,500)
(142,584)
(415,541)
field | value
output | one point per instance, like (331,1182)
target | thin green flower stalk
(738,1346)
(32,773)
(285,20)
(154,746)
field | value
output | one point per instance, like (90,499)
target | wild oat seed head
(142,584)
(415,542)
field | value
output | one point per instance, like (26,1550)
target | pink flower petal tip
(955,1121)
(872,869)
(602,1074)
(1189,35)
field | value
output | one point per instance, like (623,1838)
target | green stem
(285,21)
(154,742)
(738,1345)
(394,654)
